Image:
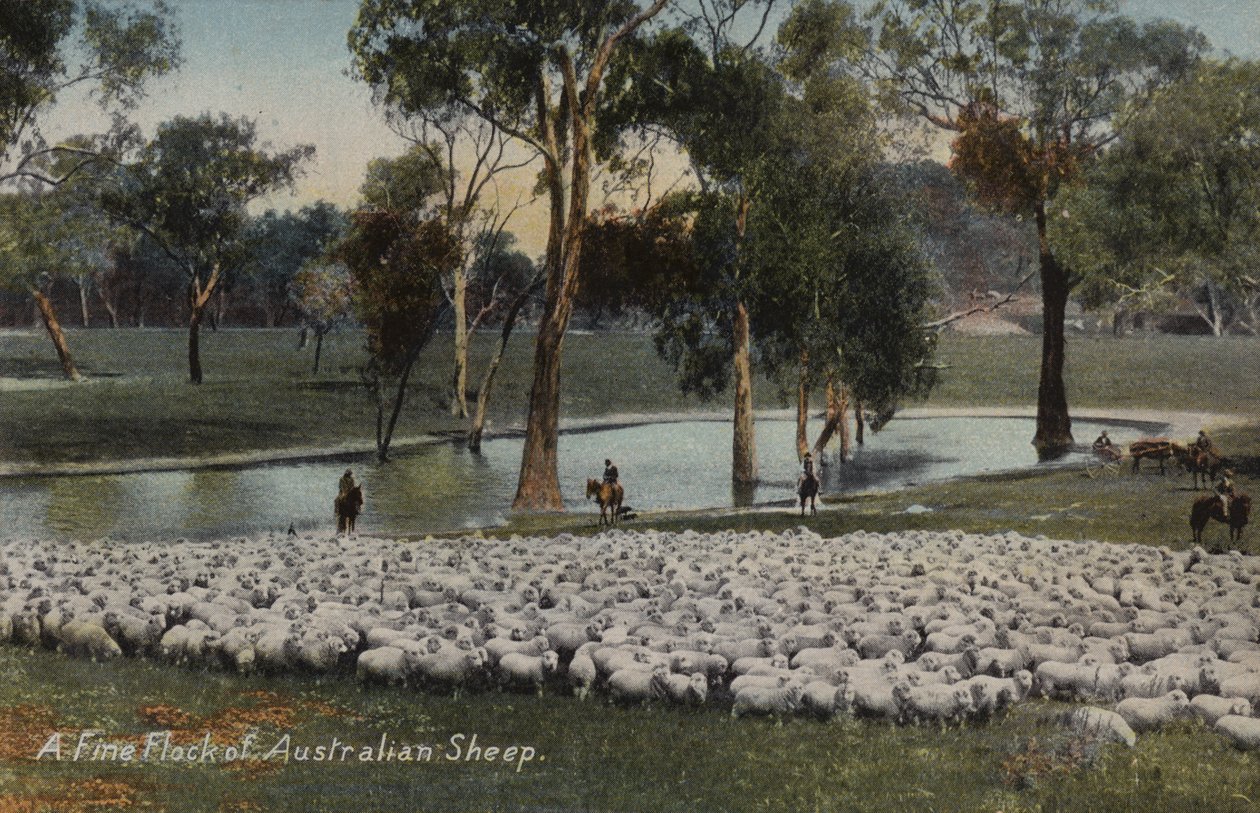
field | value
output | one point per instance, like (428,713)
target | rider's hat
(348,471)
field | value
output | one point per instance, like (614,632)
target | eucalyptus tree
(535,71)
(1033,89)
(278,245)
(51,47)
(1171,207)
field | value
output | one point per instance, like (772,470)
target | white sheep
(1209,708)
(80,638)
(1102,723)
(1148,714)
(519,669)
(780,701)
(638,685)
(1243,732)
(384,664)
(933,703)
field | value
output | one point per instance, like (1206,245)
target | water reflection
(443,487)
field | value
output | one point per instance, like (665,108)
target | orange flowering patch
(23,729)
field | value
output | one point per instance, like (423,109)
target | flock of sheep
(911,627)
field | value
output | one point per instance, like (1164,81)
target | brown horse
(1202,464)
(1159,449)
(609,496)
(1209,507)
(347,507)
(807,489)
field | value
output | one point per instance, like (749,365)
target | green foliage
(54,45)
(397,269)
(324,292)
(1172,206)
(279,245)
(1037,83)
(403,184)
(190,185)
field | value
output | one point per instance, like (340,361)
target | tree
(720,100)
(53,46)
(535,71)
(279,246)
(1171,206)
(188,192)
(39,240)
(1032,89)
(397,266)
(324,294)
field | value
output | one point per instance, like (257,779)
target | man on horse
(610,473)
(1203,443)
(346,484)
(1225,490)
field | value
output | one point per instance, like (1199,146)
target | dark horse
(1202,464)
(807,489)
(609,496)
(347,507)
(1209,507)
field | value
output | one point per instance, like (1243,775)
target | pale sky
(284,63)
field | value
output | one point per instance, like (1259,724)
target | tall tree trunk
(842,419)
(1054,425)
(319,348)
(743,444)
(859,423)
(83,306)
(459,377)
(384,439)
(111,309)
(49,318)
(802,408)
(487,382)
(194,343)
(837,419)
(538,486)
(1214,302)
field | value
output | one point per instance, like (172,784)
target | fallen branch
(941,324)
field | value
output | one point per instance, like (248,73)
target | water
(443,487)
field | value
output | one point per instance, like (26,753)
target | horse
(1209,507)
(807,489)
(609,495)
(1155,449)
(347,508)
(1202,464)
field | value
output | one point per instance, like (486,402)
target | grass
(589,756)
(260,393)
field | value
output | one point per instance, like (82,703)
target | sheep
(79,638)
(1147,714)
(779,701)
(825,701)
(1102,723)
(454,667)
(686,689)
(386,664)
(519,669)
(935,703)
(582,673)
(638,685)
(1209,708)
(1243,732)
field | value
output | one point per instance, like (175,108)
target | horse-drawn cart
(1106,461)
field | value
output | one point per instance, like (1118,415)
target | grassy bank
(588,756)
(260,392)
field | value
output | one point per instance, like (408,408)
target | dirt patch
(77,796)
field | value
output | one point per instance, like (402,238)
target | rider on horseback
(346,484)
(1225,490)
(610,473)
(1203,442)
(807,470)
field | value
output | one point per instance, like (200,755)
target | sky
(285,64)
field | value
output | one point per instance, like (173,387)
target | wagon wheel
(1102,468)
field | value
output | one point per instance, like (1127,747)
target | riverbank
(1176,424)
(261,395)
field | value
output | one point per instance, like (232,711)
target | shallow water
(444,487)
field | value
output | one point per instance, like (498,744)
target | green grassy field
(587,755)
(259,394)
